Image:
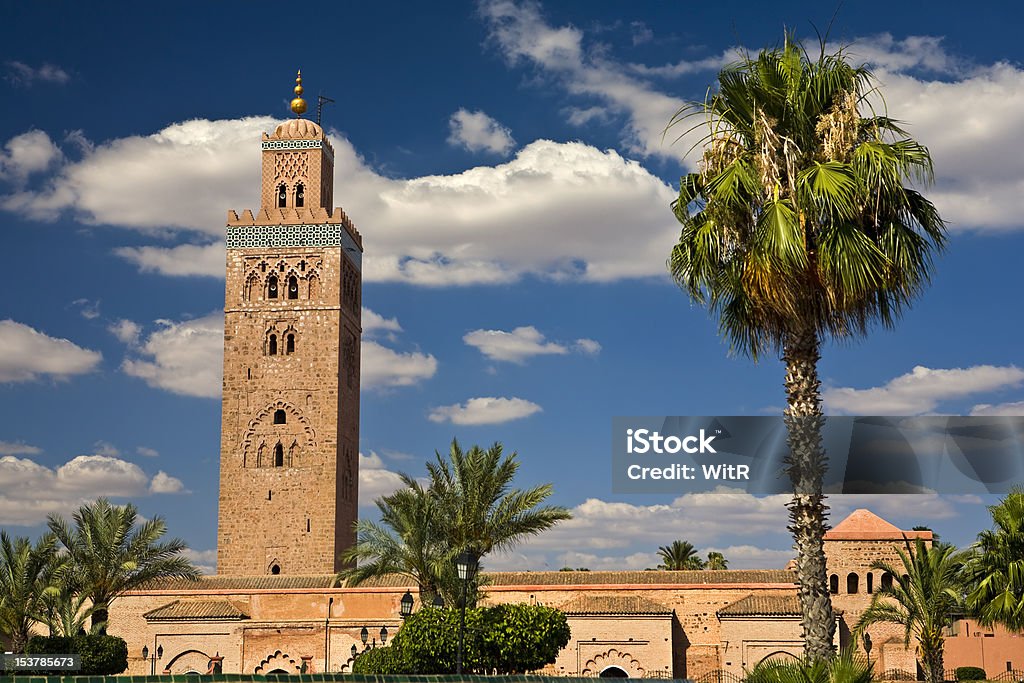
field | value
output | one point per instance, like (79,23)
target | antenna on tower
(320,99)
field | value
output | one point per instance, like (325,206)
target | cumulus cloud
(204,560)
(374,323)
(30,491)
(126,331)
(165,483)
(522,343)
(182,261)
(485,220)
(29,354)
(1010,409)
(375,480)
(22,74)
(921,390)
(18,448)
(105,448)
(381,367)
(90,310)
(478,132)
(484,411)
(147,452)
(28,153)
(182,357)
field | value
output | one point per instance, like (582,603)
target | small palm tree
(996,566)
(924,597)
(24,585)
(405,542)
(678,556)
(800,225)
(842,669)
(111,554)
(716,561)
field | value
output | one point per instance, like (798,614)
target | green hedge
(101,654)
(970,673)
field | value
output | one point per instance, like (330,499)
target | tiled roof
(785,605)
(696,577)
(862,524)
(763,605)
(243,583)
(196,609)
(613,604)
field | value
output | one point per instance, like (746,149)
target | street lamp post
(159,654)
(466,565)
(405,607)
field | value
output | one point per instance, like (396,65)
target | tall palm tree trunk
(931,652)
(806,469)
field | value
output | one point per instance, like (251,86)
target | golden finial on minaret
(298,104)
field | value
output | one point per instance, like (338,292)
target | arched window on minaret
(833,584)
(272,345)
(272,287)
(300,195)
(279,455)
(293,287)
(289,346)
(282,196)
(852,583)
(314,286)
(279,417)
(252,287)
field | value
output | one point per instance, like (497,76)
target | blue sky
(505,164)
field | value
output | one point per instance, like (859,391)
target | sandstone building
(288,497)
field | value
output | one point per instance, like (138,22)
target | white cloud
(375,480)
(105,448)
(165,483)
(913,53)
(147,452)
(374,322)
(182,357)
(1010,409)
(476,132)
(183,260)
(485,220)
(522,343)
(28,153)
(30,491)
(204,560)
(23,74)
(90,310)
(29,354)
(383,367)
(18,448)
(921,390)
(126,331)
(484,410)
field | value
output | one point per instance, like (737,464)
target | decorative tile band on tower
(303,235)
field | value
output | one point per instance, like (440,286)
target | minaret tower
(290,425)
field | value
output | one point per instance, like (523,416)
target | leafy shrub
(970,673)
(101,654)
(379,660)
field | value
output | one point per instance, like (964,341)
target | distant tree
(996,566)
(716,561)
(24,584)
(468,505)
(921,527)
(924,596)
(678,556)
(110,553)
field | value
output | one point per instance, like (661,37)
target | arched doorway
(613,672)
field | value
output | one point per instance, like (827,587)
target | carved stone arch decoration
(278,660)
(189,661)
(782,656)
(296,432)
(313,278)
(292,272)
(253,286)
(613,658)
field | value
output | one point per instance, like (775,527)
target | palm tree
(24,585)
(842,669)
(678,556)
(996,566)
(798,227)
(716,561)
(923,598)
(111,554)
(406,542)
(468,505)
